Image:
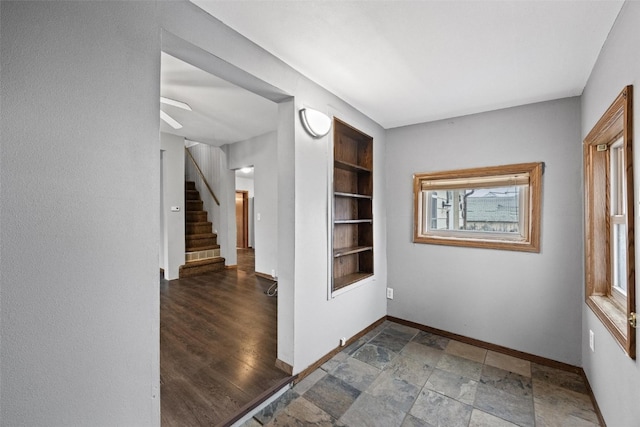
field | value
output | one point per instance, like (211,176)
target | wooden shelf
(348,251)
(350,166)
(353,195)
(341,282)
(352,237)
(353,221)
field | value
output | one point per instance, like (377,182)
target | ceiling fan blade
(170,120)
(175,103)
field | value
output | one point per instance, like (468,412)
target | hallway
(217,344)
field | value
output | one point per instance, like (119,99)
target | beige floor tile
(549,416)
(427,355)
(251,423)
(467,351)
(508,363)
(461,366)
(569,380)
(309,381)
(555,405)
(482,419)
(302,412)
(411,370)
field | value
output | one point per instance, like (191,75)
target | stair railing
(202,176)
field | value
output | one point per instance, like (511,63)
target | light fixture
(175,103)
(316,123)
(170,120)
(246,170)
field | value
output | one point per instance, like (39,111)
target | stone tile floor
(400,376)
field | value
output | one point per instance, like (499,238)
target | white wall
(261,152)
(80,173)
(352,311)
(614,377)
(308,324)
(245,184)
(525,301)
(172,243)
(79,214)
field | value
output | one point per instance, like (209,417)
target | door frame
(245,218)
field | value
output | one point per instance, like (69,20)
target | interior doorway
(242,219)
(225,383)
(190,86)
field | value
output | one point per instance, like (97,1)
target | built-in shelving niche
(352,205)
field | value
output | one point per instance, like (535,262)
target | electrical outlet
(389,293)
(592,340)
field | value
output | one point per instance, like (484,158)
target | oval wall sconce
(316,123)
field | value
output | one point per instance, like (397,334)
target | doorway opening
(228,309)
(242,219)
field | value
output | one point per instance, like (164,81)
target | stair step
(200,255)
(201,248)
(192,195)
(194,205)
(196,268)
(196,216)
(202,252)
(201,245)
(199,242)
(201,236)
(199,227)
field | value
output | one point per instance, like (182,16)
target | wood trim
(489,346)
(265,276)
(616,122)
(631,276)
(244,221)
(532,241)
(231,267)
(257,401)
(284,367)
(350,130)
(337,350)
(593,399)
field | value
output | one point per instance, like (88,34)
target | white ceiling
(222,112)
(405,62)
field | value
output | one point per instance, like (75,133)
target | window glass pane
(433,214)
(617,181)
(492,210)
(620,258)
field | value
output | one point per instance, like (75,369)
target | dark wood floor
(217,344)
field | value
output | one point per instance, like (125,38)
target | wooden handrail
(202,176)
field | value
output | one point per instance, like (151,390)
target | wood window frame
(531,238)
(616,123)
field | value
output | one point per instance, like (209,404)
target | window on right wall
(609,221)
